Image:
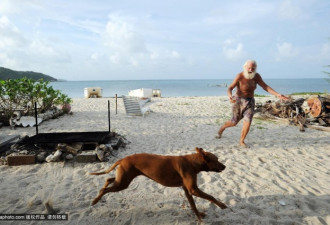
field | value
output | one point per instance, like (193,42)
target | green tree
(328,79)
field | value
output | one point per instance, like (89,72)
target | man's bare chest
(247,85)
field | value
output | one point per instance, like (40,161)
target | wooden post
(36,116)
(109,116)
(116,104)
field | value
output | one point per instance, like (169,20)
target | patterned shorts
(243,108)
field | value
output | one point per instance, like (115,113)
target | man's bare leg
(245,131)
(225,126)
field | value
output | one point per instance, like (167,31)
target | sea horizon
(63,80)
(188,87)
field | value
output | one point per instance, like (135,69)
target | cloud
(11,42)
(233,51)
(19,52)
(121,36)
(235,12)
(10,35)
(286,51)
(127,46)
(289,10)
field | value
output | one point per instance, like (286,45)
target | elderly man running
(243,101)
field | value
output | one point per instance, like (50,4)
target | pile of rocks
(23,152)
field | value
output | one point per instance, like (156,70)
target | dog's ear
(201,152)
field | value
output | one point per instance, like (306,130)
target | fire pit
(54,147)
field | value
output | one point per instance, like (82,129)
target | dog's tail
(108,170)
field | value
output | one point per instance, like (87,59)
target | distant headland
(6,74)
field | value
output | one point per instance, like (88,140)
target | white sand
(282,165)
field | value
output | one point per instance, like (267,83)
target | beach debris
(312,112)
(282,202)
(50,208)
(24,121)
(20,119)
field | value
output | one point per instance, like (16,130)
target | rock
(67,148)
(100,153)
(86,157)
(41,156)
(69,157)
(3,161)
(24,152)
(55,157)
(77,145)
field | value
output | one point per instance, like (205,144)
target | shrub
(22,94)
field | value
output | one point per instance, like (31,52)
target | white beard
(248,75)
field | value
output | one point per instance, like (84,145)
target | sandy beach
(283,178)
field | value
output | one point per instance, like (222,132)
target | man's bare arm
(269,89)
(231,87)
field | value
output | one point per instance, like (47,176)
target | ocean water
(176,88)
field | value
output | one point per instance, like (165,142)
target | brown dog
(170,171)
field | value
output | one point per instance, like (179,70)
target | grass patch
(257,95)
(258,120)
(218,122)
(309,93)
(186,103)
(260,127)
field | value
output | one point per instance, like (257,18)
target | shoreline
(283,178)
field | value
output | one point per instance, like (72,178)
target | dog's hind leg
(109,181)
(121,182)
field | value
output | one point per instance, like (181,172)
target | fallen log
(319,128)
(313,112)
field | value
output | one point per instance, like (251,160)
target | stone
(67,148)
(86,158)
(69,157)
(100,153)
(17,160)
(41,156)
(24,152)
(55,157)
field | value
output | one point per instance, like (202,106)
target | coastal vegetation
(297,93)
(309,93)
(22,94)
(6,74)
(327,79)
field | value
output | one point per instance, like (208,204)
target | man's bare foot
(242,144)
(219,135)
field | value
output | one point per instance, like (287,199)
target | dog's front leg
(197,192)
(200,215)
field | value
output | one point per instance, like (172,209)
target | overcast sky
(172,39)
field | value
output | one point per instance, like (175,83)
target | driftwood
(313,112)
